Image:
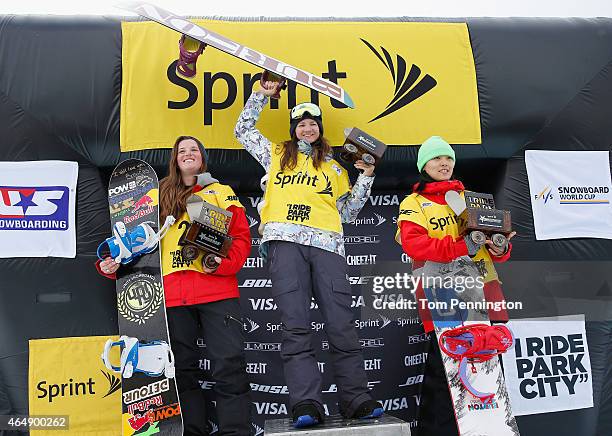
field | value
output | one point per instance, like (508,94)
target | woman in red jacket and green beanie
(429,230)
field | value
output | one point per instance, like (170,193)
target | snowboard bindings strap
(475,343)
(125,246)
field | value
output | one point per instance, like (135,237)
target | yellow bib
(305,195)
(441,221)
(216,194)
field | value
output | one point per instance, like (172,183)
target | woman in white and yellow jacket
(308,197)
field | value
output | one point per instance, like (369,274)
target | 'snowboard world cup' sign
(571,193)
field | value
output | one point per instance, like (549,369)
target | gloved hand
(472,246)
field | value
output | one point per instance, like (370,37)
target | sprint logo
(408,86)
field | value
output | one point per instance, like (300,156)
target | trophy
(207,233)
(359,145)
(481,217)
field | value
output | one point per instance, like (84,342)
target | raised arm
(247,134)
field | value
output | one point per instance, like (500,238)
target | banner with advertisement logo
(408,80)
(570,193)
(67,377)
(549,368)
(37,204)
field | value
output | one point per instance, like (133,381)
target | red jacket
(421,247)
(417,244)
(185,288)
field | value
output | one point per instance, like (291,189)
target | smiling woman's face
(307,130)
(440,168)
(189,158)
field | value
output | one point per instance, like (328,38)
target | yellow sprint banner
(67,377)
(409,80)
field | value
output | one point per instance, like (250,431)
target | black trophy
(207,233)
(359,145)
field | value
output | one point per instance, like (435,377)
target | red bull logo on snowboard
(144,203)
(34,208)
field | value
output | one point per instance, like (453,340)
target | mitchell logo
(361,239)
(114,383)
(407,89)
(34,208)
(252,221)
(262,346)
(249,325)
(328,187)
(364,342)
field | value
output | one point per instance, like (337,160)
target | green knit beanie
(433,147)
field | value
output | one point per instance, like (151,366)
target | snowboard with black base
(149,394)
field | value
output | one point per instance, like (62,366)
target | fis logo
(34,208)
(408,87)
(545,195)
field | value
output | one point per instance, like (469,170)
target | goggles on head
(299,110)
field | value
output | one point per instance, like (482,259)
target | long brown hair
(320,149)
(173,193)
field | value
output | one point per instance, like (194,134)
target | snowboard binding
(153,358)
(125,246)
(475,343)
(189,51)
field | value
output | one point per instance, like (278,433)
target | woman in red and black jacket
(201,301)
(429,230)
